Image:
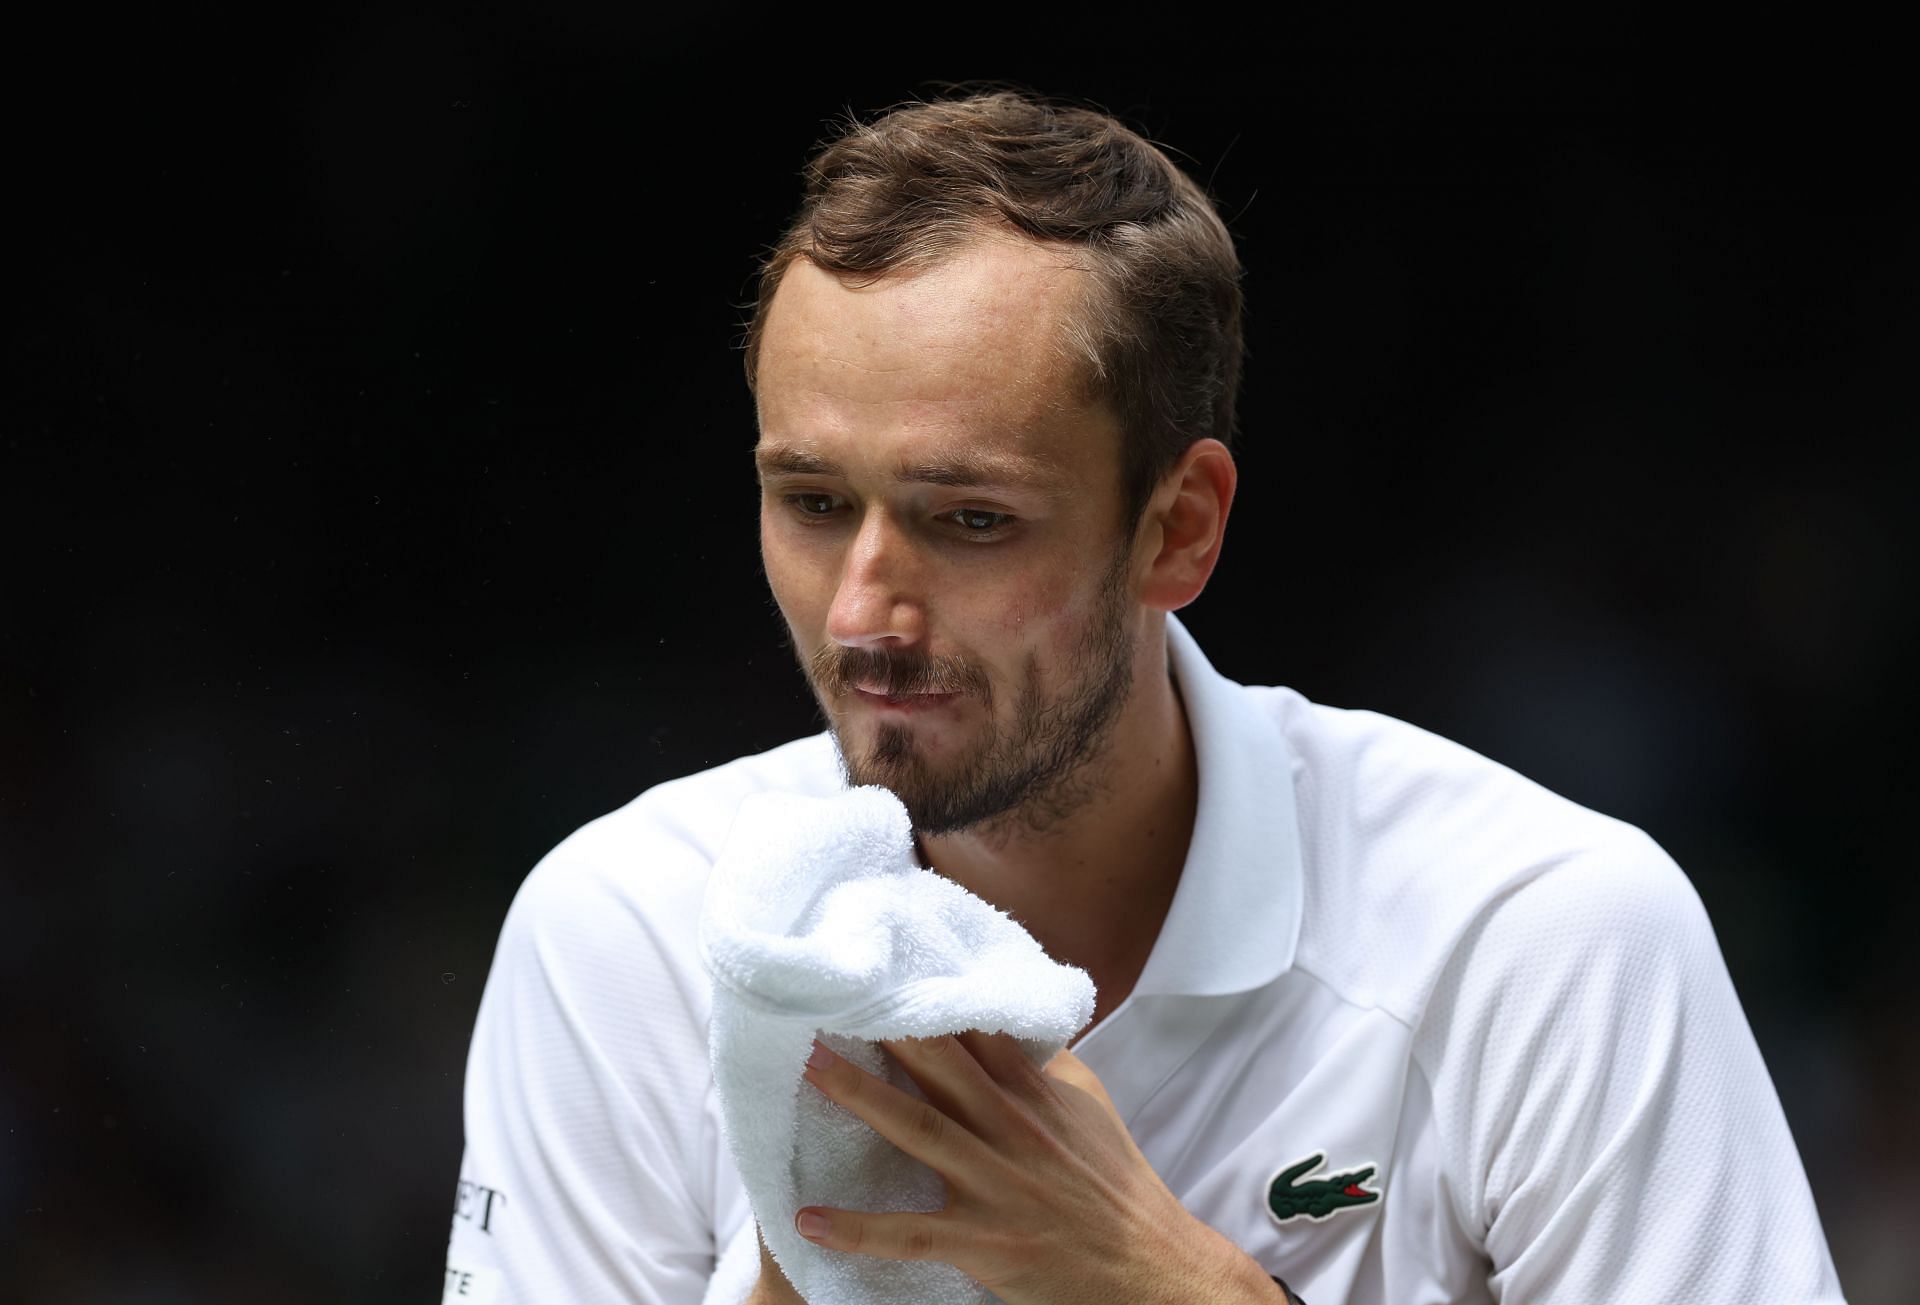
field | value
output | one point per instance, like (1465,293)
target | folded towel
(818,923)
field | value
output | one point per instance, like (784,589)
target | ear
(1184,525)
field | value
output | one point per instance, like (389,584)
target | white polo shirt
(1499,1020)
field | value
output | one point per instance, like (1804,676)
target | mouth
(904,702)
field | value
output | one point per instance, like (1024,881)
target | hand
(1048,1198)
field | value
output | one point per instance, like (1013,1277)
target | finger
(954,1080)
(1039,1086)
(1005,1060)
(915,1126)
(884,1236)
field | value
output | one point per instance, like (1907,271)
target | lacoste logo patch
(1317,1198)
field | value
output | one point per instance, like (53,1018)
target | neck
(1094,886)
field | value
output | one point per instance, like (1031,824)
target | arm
(1612,1127)
(587,1174)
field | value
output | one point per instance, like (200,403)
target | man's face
(940,524)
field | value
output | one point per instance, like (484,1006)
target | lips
(903,702)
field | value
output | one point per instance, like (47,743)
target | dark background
(376,472)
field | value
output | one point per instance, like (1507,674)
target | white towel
(818,922)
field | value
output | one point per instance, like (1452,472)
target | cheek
(1043,611)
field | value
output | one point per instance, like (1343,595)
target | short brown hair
(1161,328)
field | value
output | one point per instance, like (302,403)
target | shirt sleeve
(588,1174)
(1609,1126)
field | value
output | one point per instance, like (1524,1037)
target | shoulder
(634,878)
(588,1100)
(1568,1011)
(597,993)
(1411,843)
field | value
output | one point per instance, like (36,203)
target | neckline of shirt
(1234,922)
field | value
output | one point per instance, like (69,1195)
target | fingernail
(820,1057)
(812,1224)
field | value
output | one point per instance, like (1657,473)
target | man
(1375,1017)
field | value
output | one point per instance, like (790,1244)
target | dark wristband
(1291,1298)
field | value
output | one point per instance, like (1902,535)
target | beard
(1034,769)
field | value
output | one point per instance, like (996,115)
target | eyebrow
(957,470)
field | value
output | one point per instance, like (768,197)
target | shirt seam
(1309,969)
(1447,1155)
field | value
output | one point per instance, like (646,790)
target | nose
(878,602)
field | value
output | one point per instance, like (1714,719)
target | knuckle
(931,1051)
(919,1243)
(929,1125)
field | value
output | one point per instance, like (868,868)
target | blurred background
(375,473)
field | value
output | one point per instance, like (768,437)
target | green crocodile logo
(1317,1198)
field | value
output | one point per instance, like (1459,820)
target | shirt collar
(1235,918)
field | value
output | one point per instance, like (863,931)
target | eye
(811,505)
(979,522)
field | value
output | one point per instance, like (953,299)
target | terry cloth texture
(818,922)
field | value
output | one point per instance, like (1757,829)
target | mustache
(836,670)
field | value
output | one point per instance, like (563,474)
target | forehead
(973,351)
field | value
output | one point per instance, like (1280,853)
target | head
(995,359)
